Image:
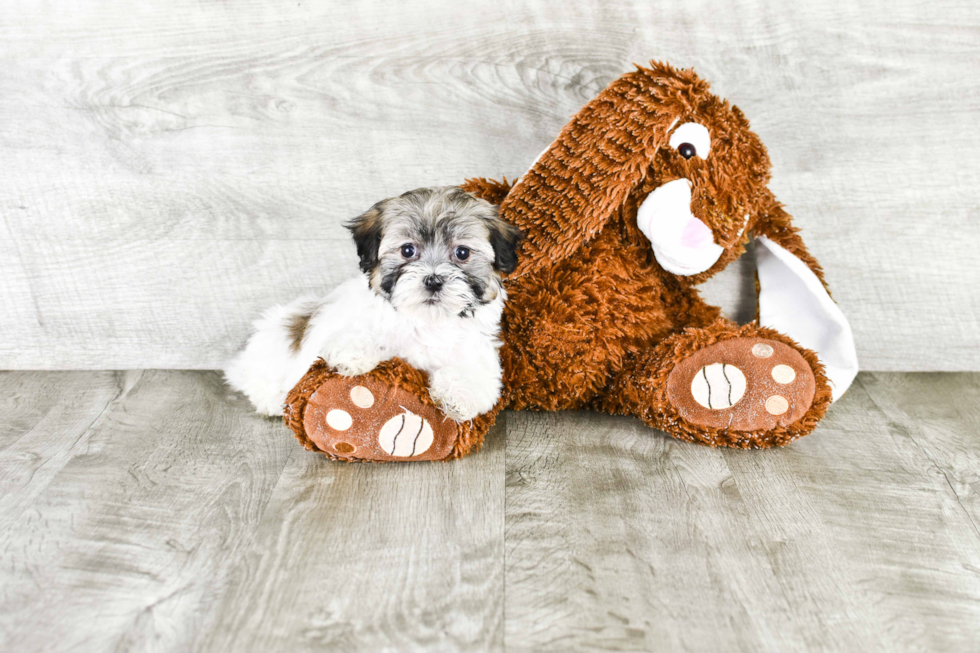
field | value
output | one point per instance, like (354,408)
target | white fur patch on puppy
(431,295)
(458,398)
(353,329)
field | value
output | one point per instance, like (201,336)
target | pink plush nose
(696,234)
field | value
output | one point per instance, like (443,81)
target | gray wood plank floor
(150,510)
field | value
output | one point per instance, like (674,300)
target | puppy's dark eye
(462,253)
(686,150)
(408,250)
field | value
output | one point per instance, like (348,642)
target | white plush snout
(681,243)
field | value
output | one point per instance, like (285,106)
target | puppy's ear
(367,230)
(504,238)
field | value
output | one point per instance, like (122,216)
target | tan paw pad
(718,386)
(762,350)
(361,396)
(405,435)
(783,374)
(339,420)
(776,405)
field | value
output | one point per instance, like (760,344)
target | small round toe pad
(364,419)
(744,384)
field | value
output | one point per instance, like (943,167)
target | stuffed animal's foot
(744,384)
(361,418)
(385,415)
(725,385)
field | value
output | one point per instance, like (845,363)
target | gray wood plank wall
(170,168)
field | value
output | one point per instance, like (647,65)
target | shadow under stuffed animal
(652,188)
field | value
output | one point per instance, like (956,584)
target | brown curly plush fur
(592,320)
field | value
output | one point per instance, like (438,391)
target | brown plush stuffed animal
(652,188)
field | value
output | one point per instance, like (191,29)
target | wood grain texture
(172,168)
(135,495)
(352,557)
(860,537)
(152,511)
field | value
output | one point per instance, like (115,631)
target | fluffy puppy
(431,294)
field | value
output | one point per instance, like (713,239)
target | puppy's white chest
(429,345)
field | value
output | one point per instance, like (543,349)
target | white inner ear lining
(695,134)
(794,302)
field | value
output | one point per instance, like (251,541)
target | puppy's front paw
(356,368)
(352,363)
(456,408)
(458,400)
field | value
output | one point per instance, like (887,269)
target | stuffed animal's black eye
(462,253)
(408,250)
(686,150)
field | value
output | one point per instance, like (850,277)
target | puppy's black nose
(433,283)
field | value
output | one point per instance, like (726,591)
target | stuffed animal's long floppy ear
(794,298)
(574,187)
